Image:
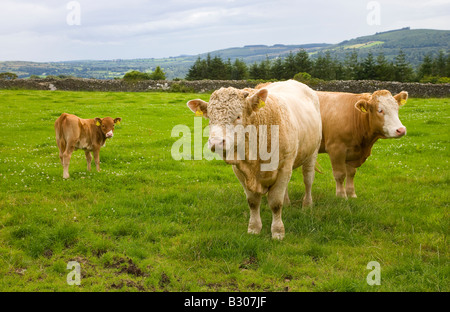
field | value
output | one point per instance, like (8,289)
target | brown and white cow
(288,108)
(351,124)
(90,135)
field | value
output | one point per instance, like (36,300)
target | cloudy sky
(59,30)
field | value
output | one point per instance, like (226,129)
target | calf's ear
(199,107)
(257,101)
(98,121)
(401,98)
(362,106)
(117,120)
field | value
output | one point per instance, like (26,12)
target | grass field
(149,223)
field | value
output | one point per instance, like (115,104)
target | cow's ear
(401,98)
(362,106)
(257,101)
(98,121)
(199,107)
(117,120)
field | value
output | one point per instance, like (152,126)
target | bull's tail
(318,168)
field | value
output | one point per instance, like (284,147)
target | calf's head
(227,108)
(106,125)
(382,109)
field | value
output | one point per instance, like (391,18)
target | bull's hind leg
(308,179)
(88,159)
(349,183)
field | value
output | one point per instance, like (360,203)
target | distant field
(150,223)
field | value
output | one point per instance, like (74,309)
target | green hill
(414,43)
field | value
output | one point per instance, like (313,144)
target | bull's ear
(98,121)
(257,101)
(199,107)
(401,98)
(117,120)
(362,106)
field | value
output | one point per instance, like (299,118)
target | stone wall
(414,89)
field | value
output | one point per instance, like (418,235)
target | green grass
(150,223)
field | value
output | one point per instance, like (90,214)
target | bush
(8,76)
(181,87)
(307,79)
(136,76)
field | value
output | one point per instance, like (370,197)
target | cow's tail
(60,139)
(318,168)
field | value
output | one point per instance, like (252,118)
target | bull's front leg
(97,158)
(254,203)
(276,198)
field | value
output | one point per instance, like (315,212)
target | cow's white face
(388,107)
(383,109)
(227,108)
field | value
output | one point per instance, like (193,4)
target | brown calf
(90,135)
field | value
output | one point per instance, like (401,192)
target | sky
(60,30)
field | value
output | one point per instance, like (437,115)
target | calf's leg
(97,159)
(66,161)
(88,159)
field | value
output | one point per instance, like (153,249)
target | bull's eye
(380,111)
(238,118)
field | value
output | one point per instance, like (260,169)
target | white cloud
(37,29)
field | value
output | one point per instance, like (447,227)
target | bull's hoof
(278,236)
(307,202)
(254,229)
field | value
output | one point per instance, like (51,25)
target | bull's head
(227,109)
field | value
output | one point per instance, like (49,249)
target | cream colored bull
(289,109)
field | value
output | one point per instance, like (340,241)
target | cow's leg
(66,160)
(88,159)
(97,158)
(339,172)
(308,179)
(276,199)
(349,184)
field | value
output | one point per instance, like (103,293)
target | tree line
(324,66)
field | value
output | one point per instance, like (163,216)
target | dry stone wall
(71,84)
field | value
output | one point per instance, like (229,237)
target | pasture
(147,222)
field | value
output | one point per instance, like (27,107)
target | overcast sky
(60,30)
